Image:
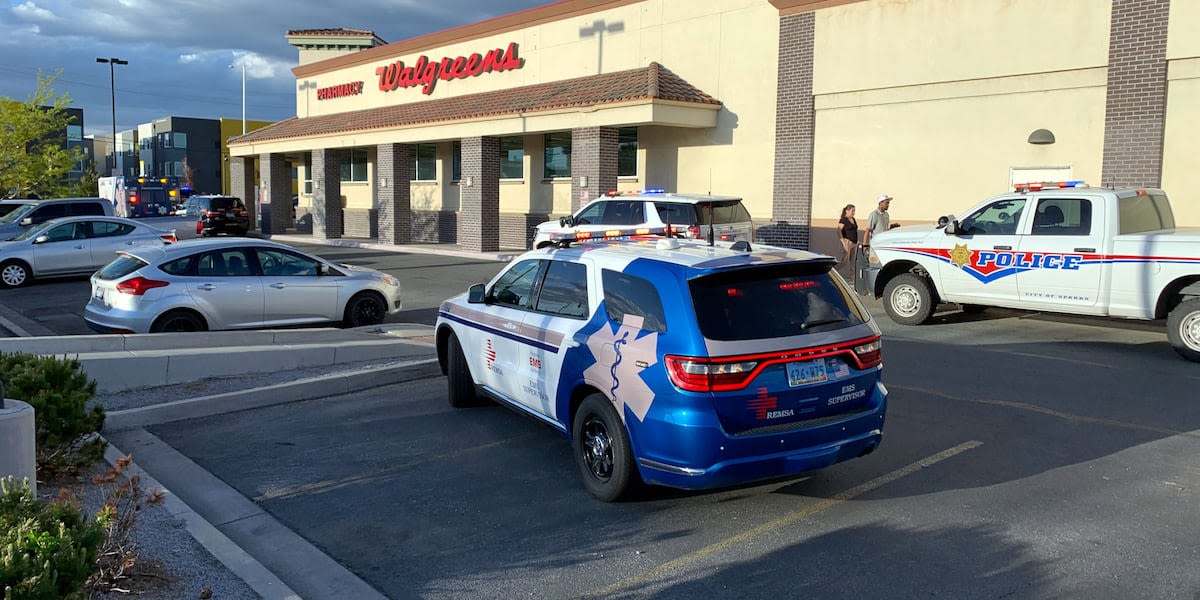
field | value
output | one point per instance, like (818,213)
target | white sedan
(72,246)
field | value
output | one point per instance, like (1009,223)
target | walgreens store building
(475,134)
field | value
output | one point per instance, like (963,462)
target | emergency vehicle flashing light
(643,192)
(1037,186)
(565,240)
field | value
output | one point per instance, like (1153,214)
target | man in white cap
(879,221)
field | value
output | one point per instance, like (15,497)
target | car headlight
(392,281)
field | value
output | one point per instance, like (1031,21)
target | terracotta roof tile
(651,82)
(339,31)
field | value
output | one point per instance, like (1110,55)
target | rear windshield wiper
(820,322)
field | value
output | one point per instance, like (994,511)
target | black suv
(218,214)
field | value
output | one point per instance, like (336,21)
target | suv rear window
(770,302)
(121,266)
(723,212)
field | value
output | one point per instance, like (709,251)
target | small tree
(88,185)
(58,390)
(33,158)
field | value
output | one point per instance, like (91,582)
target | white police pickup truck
(1059,247)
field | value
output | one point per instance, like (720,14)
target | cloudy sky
(180,51)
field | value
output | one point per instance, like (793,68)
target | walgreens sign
(426,72)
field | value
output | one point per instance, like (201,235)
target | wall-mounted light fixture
(316,184)
(1041,137)
(583,181)
(382,182)
(468,181)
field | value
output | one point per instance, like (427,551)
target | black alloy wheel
(364,309)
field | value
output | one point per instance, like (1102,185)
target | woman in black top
(848,234)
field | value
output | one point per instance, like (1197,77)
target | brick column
(593,155)
(795,119)
(1136,110)
(277,192)
(393,173)
(479,209)
(327,193)
(242,185)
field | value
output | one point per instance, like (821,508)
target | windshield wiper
(820,322)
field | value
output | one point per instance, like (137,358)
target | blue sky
(180,51)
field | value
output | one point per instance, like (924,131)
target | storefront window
(308,172)
(424,162)
(512,157)
(456,163)
(627,147)
(354,165)
(557,155)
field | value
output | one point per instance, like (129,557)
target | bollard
(17,448)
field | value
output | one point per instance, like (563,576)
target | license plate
(802,373)
(98,293)
(231,214)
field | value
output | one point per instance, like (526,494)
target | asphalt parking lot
(1023,457)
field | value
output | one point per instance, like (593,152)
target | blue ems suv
(674,362)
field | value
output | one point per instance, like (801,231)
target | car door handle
(1085,249)
(1001,247)
(79,247)
(130,243)
(279,286)
(510,326)
(208,287)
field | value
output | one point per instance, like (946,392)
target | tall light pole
(112,79)
(243,97)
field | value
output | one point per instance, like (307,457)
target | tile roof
(339,31)
(653,82)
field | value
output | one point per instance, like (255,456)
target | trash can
(264,219)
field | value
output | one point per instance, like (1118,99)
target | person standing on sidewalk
(848,234)
(879,221)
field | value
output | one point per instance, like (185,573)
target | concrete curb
(238,561)
(411,249)
(304,389)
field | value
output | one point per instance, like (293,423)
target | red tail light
(243,213)
(199,226)
(210,213)
(139,285)
(728,373)
(133,199)
(169,238)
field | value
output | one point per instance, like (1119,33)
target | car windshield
(34,231)
(227,203)
(723,212)
(771,302)
(19,213)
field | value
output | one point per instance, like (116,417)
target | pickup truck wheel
(1183,329)
(908,299)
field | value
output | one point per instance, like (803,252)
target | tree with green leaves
(34,161)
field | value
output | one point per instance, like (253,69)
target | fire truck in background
(135,197)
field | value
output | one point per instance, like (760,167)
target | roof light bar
(1037,186)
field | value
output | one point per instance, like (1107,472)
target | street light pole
(112,79)
(243,97)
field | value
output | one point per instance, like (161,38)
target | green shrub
(47,549)
(59,391)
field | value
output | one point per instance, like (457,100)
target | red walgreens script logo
(762,404)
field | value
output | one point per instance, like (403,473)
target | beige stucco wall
(932,101)
(1181,144)
(727,48)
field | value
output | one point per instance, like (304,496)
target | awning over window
(649,95)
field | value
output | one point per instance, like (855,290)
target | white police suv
(674,362)
(651,211)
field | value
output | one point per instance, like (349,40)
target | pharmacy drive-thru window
(475,135)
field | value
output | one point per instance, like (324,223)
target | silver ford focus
(72,246)
(213,284)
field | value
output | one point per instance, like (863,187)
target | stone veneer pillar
(277,192)
(393,174)
(795,118)
(593,155)
(479,209)
(242,185)
(327,193)
(1135,113)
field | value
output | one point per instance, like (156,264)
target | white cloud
(262,67)
(32,12)
(189,58)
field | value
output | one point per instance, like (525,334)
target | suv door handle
(1001,247)
(79,247)
(279,286)
(206,287)
(1085,249)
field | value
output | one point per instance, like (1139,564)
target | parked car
(218,214)
(7,206)
(689,216)
(72,246)
(241,283)
(672,362)
(36,212)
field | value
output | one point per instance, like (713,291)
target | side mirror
(952,228)
(477,294)
(41,239)
(567,221)
(27,221)
(322,269)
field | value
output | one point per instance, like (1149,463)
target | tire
(908,299)
(14,274)
(364,309)
(1183,329)
(973,309)
(461,388)
(178,321)
(602,450)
